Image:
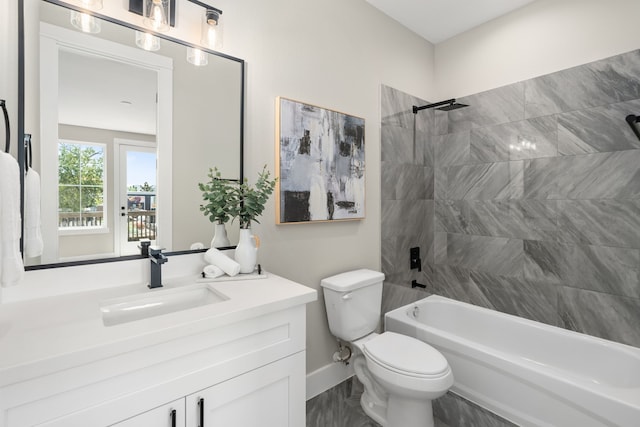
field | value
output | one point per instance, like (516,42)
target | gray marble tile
(399,145)
(600,222)
(403,218)
(428,234)
(479,182)
(524,139)
(429,149)
(452,149)
(599,268)
(613,175)
(501,105)
(451,216)
(522,219)
(546,261)
(456,411)
(605,269)
(495,255)
(602,315)
(602,82)
(339,407)
(389,179)
(440,248)
(440,122)
(455,283)
(520,297)
(440,183)
(596,130)
(411,183)
(515,189)
(396,110)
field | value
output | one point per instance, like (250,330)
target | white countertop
(42,336)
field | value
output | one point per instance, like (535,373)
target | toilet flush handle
(346,296)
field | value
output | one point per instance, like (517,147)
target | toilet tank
(353,301)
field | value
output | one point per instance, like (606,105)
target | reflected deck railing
(141,224)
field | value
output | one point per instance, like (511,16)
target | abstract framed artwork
(320,164)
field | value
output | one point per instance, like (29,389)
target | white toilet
(401,375)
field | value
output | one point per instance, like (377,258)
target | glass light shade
(156,14)
(85,22)
(90,4)
(197,57)
(147,41)
(212,30)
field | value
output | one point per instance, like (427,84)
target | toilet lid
(406,354)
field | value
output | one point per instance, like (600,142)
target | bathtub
(527,372)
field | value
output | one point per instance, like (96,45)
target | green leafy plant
(220,197)
(251,199)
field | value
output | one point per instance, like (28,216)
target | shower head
(452,106)
(448,105)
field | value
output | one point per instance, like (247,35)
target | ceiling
(438,20)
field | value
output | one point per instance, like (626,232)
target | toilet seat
(406,366)
(405,355)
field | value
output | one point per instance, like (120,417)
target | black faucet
(157,258)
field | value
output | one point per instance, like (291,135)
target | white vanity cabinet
(242,368)
(272,395)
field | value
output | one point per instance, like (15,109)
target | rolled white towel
(217,258)
(212,271)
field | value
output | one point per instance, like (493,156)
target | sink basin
(156,303)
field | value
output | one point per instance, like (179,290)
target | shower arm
(633,122)
(437,104)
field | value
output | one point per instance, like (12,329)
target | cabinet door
(169,415)
(273,395)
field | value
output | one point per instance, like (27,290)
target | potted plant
(220,199)
(248,205)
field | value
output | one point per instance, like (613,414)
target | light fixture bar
(206,6)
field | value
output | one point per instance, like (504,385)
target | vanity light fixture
(158,15)
(147,41)
(85,22)
(211,35)
(197,57)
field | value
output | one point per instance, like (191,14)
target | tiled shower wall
(529,201)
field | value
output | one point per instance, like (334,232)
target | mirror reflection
(122,136)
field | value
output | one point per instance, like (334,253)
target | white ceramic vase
(220,238)
(246,251)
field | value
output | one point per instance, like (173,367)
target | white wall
(335,54)
(543,37)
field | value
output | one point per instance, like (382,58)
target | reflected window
(81,186)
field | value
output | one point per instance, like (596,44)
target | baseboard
(327,377)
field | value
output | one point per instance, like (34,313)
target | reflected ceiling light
(90,4)
(211,35)
(158,15)
(85,22)
(197,57)
(147,41)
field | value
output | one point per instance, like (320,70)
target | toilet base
(404,412)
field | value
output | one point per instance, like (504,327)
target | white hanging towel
(11,265)
(32,226)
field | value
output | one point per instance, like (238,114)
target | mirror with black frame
(121,136)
